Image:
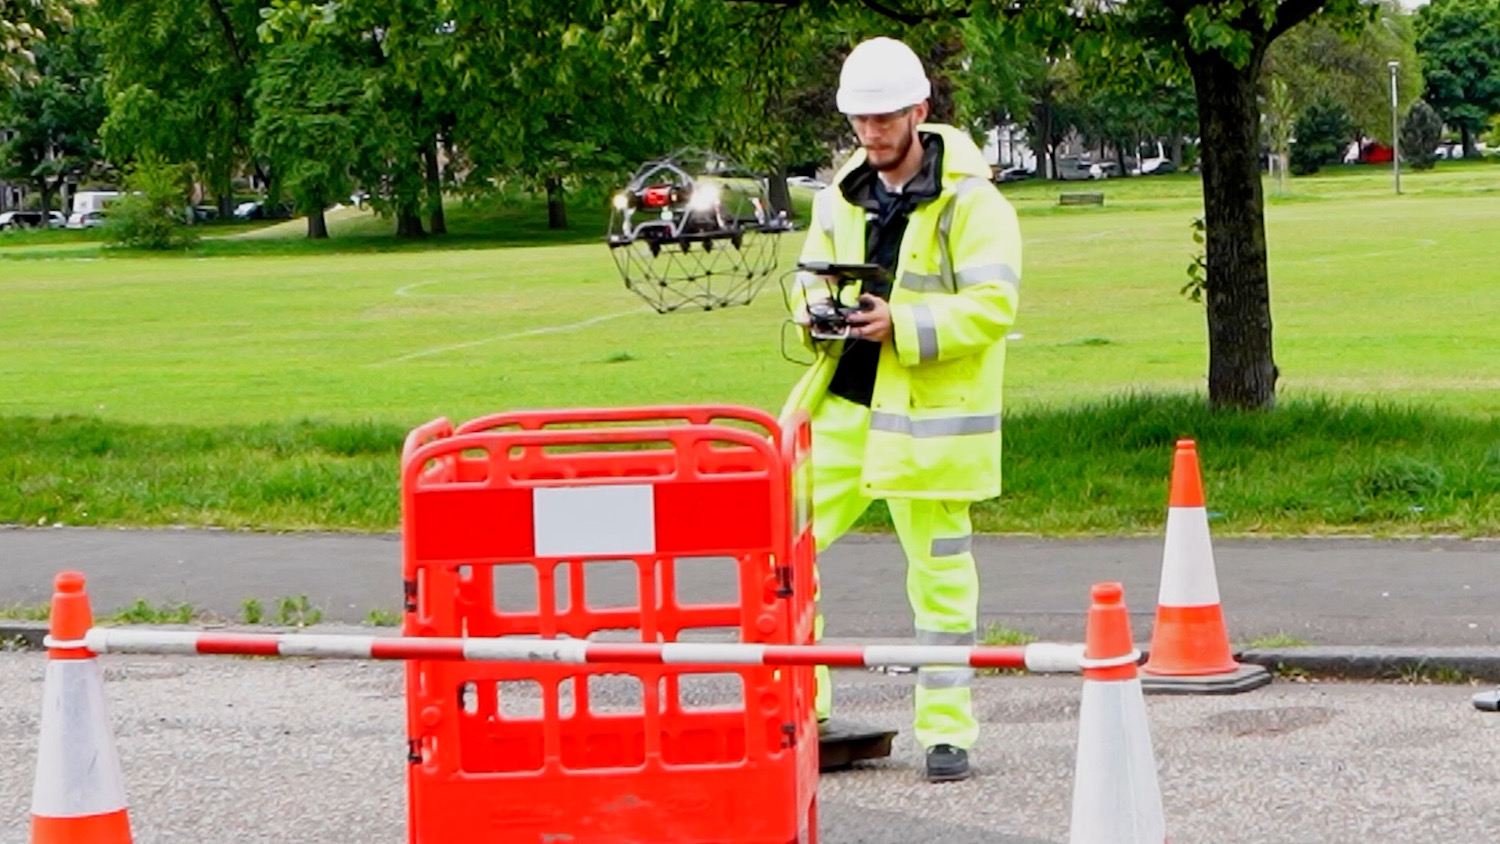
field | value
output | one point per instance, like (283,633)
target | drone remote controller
(828,319)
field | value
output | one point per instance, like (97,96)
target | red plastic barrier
(512,524)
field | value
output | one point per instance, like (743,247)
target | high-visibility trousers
(942,583)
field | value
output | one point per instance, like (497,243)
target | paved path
(241,751)
(1322,591)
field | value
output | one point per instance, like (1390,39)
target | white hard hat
(880,76)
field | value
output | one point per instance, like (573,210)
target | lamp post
(1395,129)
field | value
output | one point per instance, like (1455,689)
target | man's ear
(921,110)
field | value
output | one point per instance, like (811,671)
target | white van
(87,205)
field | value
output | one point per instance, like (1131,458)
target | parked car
(31,219)
(1104,170)
(86,220)
(258,210)
(805,182)
(1013,174)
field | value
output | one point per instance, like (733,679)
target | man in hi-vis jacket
(908,408)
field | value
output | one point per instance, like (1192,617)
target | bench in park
(1080,199)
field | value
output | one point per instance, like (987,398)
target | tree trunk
(408,221)
(226,205)
(1241,371)
(46,205)
(317,225)
(557,212)
(778,193)
(1468,136)
(436,222)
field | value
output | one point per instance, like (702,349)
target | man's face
(887,138)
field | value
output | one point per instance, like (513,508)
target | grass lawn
(1374,298)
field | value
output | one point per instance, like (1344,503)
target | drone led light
(705,197)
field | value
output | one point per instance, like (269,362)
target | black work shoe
(946,763)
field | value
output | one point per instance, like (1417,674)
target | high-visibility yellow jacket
(935,412)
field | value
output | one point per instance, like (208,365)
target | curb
(1373,662)
(1360,662)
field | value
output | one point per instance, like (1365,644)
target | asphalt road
(1321,591)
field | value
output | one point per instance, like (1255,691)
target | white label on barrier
(579,520)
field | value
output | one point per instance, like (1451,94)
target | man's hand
(873,321)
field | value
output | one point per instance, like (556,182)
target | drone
(695,230)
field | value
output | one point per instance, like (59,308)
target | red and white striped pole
(1037,657)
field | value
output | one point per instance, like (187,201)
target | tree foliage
(1459,41)
(1322,132)
(54,113)
(150,213)
(179,82)
(313,124)
(1421,133)
(23,25)
(1321,61)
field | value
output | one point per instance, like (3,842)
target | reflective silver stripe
(945,678)
(965,186)
(970,276)
(927,341)
(943,637)
(823,211)
(924,282)
(808,281)
(952,547)
(951,426)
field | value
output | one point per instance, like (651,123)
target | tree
(1279,114)
(23,25)
(1459,41)
(402,51)
(1322,131)
(312,123)
(553,95)
(1421,133)
(1317,61)
(179,83)
(54,113)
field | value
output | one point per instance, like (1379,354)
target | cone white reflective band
(1116,799)
(62,644)
(1038,657)
(1188,578)
(1110,661)
(1047,658)
(77,768)
(573,520)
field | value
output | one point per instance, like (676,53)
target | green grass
(1101,469)
(265,381)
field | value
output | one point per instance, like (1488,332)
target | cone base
(112,828)
(1243,679)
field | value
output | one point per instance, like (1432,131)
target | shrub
(1421,132)
(1320,135)
(149,215)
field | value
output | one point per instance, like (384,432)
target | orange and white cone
(1190,649)
(79,792)
(1116,799)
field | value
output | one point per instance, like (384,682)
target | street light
(1395,129)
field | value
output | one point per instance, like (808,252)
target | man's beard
(898,155)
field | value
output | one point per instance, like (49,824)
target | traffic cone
(1116,799)
(1189,644)
(79,793)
